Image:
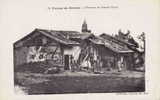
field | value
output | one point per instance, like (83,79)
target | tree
(141,37)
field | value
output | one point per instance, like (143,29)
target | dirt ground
(79,82)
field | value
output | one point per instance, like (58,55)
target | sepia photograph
(60,61)
(83,49)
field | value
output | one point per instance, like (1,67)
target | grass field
(59,84)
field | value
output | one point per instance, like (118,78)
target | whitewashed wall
(74,51)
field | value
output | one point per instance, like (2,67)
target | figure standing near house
(75,65)
(120,64)
(109,64)
(72,63)
(92,62)
(94,65)
(99,63)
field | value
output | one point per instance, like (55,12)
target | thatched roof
(110,44)
(65,37)
(58,35)
(52,34)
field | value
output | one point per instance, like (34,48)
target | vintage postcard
(64,49)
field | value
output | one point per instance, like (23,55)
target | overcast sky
(19,17)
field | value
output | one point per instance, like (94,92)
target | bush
(37,67)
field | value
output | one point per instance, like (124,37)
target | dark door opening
(66,62)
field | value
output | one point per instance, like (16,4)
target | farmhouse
(117,51)
(41,45)
(61,48)
(105,51)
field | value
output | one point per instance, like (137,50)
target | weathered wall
(107,56)
(20,55)
(74,51)
(54,54)
(35,48)
(36,54)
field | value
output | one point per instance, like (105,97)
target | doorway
(66,62)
